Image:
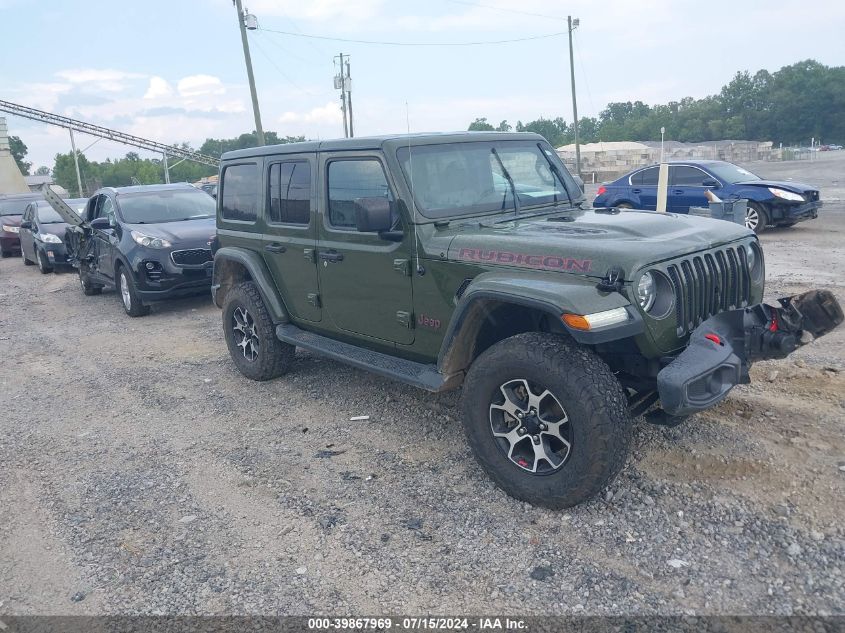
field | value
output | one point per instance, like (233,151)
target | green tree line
(792,105)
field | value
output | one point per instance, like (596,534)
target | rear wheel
(5,253)
(128,293)
(623,205)
(546,419)
(43,264)
(756,217)
(251,337)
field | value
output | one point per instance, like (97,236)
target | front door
(105,240)
(365,280)
(290,237)
(686,188)
(27,236)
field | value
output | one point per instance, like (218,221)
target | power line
(387,43)
(281,72)
(505,10)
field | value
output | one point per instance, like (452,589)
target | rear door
(290,233)
(365,281)
(644,188)
(686,188)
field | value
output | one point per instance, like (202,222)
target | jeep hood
(179,233)
(590,242)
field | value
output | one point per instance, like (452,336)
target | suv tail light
(601,190)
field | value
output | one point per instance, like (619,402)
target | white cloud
(317,9)
(41,96)
(328,114)
(96,75)
(158,88)
(200,85)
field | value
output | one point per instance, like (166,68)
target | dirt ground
(142,474)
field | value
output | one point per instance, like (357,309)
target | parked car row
(770,203)
(150,242)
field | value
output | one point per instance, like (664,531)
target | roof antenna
(420,269)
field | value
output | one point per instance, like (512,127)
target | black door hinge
(612,281)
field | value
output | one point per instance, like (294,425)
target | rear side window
(647,177)
(290,193)
(240,193)
(350,180)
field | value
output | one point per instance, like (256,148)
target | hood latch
(612,281)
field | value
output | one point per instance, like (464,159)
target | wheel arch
(235,265)
(492,310)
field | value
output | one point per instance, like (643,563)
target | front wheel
(128,293)
(43,264)
(546,419)
(756,217)
(251,337)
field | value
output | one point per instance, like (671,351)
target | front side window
(350,180)
(107,210)
(240,193)
(475,177)
(685,176)
(290,193)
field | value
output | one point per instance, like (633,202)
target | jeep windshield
(166,206)
(455,179)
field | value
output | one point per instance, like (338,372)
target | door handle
(331,256)
(636,190)
(678,191)
(275,247)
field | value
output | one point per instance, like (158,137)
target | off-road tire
(591,396)
(136,307)
(88,288)
(762,215)
(274,357)
(43,265)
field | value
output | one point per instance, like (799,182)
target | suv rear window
(240,193)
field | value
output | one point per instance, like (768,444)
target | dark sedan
(150,242)
(770,203)
(11,212)
(42,233)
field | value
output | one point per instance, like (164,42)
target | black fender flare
(258,273)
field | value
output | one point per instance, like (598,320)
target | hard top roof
(379,142)
(179,186)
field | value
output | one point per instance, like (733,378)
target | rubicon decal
(526,260)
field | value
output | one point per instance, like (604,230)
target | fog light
(150,266)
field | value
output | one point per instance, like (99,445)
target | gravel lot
(142,474)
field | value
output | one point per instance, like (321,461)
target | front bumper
(167,280)
(720,350)
(56,253)
(10,242)
(800,212)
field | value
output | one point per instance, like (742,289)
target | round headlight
(755,261)
(645,291)
(752,258)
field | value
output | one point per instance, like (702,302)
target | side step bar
(412,373)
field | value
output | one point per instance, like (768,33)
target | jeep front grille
(192,257)
(708,284)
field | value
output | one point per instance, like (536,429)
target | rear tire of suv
(88,289)
(251,337)
(568,430)
(127,292)
(756,217)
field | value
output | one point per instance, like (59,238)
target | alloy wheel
(752,218)
(124,291)
(531,427)
(245,334)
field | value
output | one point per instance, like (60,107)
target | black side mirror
(372,215)
(100,224)
(711,183)
(26,224)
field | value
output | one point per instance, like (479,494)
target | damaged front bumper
(720,350)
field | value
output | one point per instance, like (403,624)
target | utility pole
(242,26)
(573,24)
(347,85)
(76,163)
(340,83)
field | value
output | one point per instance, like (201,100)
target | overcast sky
(174,71)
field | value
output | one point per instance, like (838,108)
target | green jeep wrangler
(470,259)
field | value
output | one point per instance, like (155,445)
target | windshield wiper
(559,175)
(507,176)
